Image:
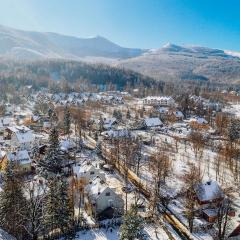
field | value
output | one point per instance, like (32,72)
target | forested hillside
(39,73)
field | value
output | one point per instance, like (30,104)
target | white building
(21,137)
(4,123)
(159,101)
(87,173)
(102,201)
(22,158)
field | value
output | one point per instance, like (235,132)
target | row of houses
(75,98)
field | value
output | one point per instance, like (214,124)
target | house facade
(101,201)
(159,101)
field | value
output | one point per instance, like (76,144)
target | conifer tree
(101,124)
(66,211)
(51,164)
(67,120)
(128,116)
(50,113)
(12,203)
(132,226)
(51,206)
(58,208)
(234,130)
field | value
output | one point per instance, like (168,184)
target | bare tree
(222,222)
(198,143)
(35,199)
(160,165)
(191,179)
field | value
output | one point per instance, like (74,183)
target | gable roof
(5,236)
(178,114)
(199,120)
(208,191)
(96,188)
(21,156)
(80,171)
(152,122)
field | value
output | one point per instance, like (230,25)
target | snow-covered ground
(233,109)
(181,157)
(153,232)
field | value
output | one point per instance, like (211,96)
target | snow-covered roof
(163,98)
(4,121)
(211,212)
(66,144)
(163,109)
(80,171)
(208,191)
(109,122)
(96,188)
(199,120)
(25,137)
(117,133)
(178,114)
(35,118)
(152,122)
(5,236)
(21,156)
(19,128)
(2,154)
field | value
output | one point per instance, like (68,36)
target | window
(91,173)
(107,193)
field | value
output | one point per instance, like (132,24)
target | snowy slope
(29,44)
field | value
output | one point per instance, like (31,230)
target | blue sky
(132,23)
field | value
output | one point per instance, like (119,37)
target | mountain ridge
(171,62)
(15,43)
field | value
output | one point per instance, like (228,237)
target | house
(67,145)
(101,201)
(22,158)
(199,120)
(120,133)
(208,193)
(108,123)
(178,115)
(35,118)
(158,101)
(87,172)
(21,137)
(210,214)
(163,110)
(152,122)
(46,124)
(4,123)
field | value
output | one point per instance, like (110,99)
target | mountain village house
(101,201)
(20,137)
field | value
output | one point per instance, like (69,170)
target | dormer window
(107,194)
